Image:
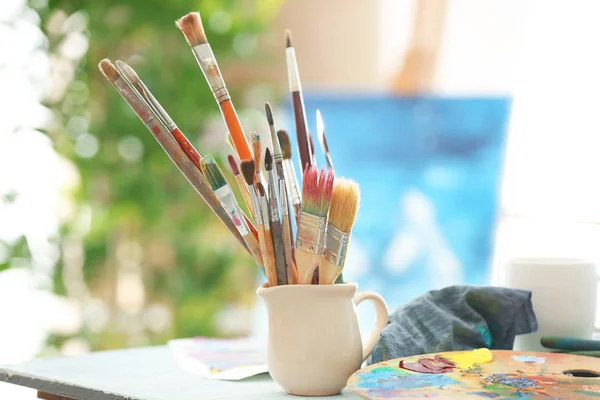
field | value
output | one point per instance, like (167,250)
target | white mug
(314,341)
(563,297)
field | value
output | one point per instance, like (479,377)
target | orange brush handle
(187,147)
(235,129)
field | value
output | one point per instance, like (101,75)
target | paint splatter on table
(504,375)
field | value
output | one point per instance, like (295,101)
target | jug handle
(381,319)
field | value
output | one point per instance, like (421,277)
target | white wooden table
(148,373)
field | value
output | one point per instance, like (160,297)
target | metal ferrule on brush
(293,72)
(258,216)
(228,202)
(336,245)
(138,105)
(292,182)
(208,63)
(155,106)
(283,199)
(273,206)
(311,233)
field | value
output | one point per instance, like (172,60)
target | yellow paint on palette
(466,359)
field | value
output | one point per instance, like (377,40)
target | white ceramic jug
(314,342)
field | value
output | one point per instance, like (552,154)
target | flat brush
(316,195)
(191,27)
(248,173)
(169,145)
(275,220)
(286,222)
(272,272)
(291,179)
(138,86)
(295,86)
(323,140)
(343,208)
(215,178)
(240,181)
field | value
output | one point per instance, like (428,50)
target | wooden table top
(148,373)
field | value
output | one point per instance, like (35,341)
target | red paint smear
(436,365)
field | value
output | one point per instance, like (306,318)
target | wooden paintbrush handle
(277,233)
(242,147)
(301,130)
(306,267)
(328,272)
(254,248)
(269,260)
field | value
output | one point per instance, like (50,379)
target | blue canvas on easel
(429,170)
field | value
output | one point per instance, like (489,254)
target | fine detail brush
(257,151)
(291,179)
(264,208)
(275,220)
(169,145)
(323,140)
(134,80)
(138,86)
(316,195)
(311,141)
(343,208)
(295,87)
(191,27)
(247,167)
(240,181)
(217,182)
(286,222)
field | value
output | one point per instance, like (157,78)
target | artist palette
(509,374)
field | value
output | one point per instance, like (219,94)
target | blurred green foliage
(135,214)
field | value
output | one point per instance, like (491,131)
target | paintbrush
(570,343)
(323,140)
(240,181)
(288,243)
(138,86)
(191,27)
(295,86)
(313,154)
(215,178)
(248,173)
(343,208)
(275,220)
(316,195)
(169,145)
(270,251)
(291,179)
(257,151)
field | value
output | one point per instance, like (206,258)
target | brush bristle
(268,160)
(256,150)
(233,165)
(230,141)
(288,38)
(269,114)
(345,200)
(248,171)
(284,142)
(310,190)
(261,189)
(128,72)
(213,174)
(191,27)
(326,181)
(108,70)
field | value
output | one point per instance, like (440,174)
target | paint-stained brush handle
(570,343)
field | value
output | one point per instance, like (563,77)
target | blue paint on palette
(428,169)
(387,378)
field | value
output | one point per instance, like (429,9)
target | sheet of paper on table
(225,359)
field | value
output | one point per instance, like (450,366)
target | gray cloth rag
(456,318)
